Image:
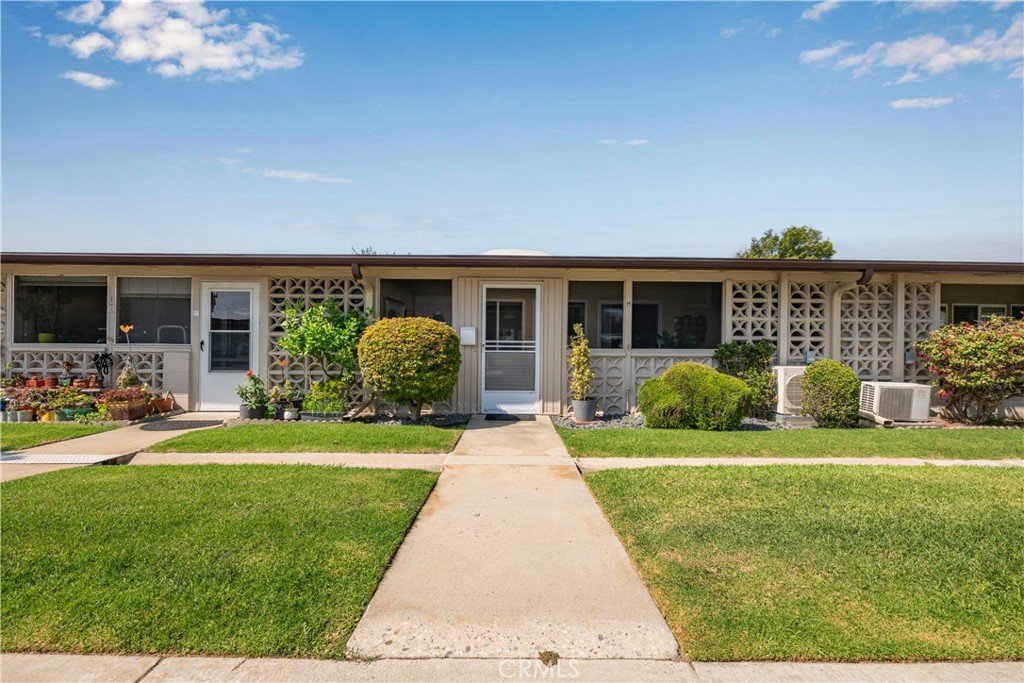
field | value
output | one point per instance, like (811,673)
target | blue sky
(676,129)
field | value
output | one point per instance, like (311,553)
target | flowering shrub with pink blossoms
(976,367)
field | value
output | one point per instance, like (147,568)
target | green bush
(752,363)
(327,396)
(694,396)
(976,367)
(661,405)
(831,392)
(410,360)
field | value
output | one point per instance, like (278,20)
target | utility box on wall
(467,336)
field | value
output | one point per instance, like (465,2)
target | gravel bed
(636,421)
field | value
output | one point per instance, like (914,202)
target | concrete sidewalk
(114,446)
(597,464)
(39,668)
(508,560)
(431,462)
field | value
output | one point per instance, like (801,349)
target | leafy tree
(325,334)
(794,242)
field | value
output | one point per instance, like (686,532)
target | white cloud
(928,6)
(1003,4)
(773,32)
(223,161)
(89,80)
(241,150)
(180,39)
(607,141)
(921,103)
(638,142)
(824,53)
(934,54)
(908,77)
(1017,73)
(817,11)
(83,47)
(728,33)
(755,25)
(299,176)
(86,13)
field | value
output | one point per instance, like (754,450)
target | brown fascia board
(499,261)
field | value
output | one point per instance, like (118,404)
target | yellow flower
(127,328)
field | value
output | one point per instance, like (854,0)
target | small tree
(582,378)
(410,360)
(324,334)
(752,363)
(976,367)
(831,393)
(794,242)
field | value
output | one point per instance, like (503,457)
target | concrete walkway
(510,559)
(597,464)
(32,668)
(113,446)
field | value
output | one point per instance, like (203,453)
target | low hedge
(694,396)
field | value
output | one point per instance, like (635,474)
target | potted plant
(68,403)
(126,404)
(581,381)
(325,400)
(254,397)
(285,400)
(20,406)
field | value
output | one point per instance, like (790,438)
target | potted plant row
(130,403)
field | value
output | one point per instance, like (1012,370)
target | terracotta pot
(32,382)
(50,382)
(128,411)
(164,405)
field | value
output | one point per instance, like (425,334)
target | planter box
(128,411)
(69,414)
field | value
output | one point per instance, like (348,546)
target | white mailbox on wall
(467,336)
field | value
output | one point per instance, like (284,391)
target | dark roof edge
(496,261)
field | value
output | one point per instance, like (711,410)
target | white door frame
(214,387)
(512,402)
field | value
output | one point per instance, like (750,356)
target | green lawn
(16,436)
(969,444)
(829,562)
(235,560)
(313,437)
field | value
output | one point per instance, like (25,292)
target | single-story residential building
(200,321)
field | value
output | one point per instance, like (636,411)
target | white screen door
(511,362)
(229,343)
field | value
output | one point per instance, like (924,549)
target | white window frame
(601,303)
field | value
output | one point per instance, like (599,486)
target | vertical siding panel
(467,313)
(554,304)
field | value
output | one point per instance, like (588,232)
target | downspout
(357,271)
(837,294)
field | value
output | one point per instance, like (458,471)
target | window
(60,309)
(505,321)
(677,315)
(611,325)
(597,305)
(577,315)
(159,309)
(230,330)
(974,313)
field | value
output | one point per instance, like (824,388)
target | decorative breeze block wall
(285,292)
(866,331)
(610,385)
(808,320)
(918,307)
(148,364)
(754,311)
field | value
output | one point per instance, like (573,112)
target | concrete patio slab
(44,667)
(31,668)
(530,438)
(510,561)
(597,464)
(429,462)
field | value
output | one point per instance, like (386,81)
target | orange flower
(282,362)
(127,328)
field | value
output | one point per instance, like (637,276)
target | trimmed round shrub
(831,393)
(694,396)
(410,360)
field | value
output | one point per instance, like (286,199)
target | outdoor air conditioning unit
(896,401)
(788,380)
